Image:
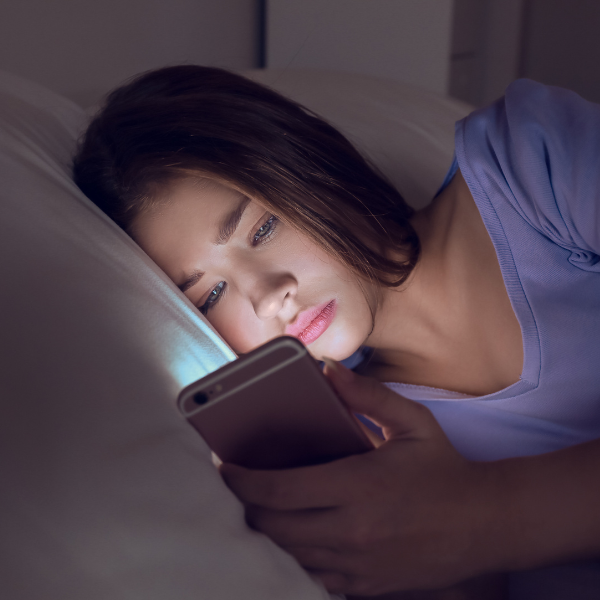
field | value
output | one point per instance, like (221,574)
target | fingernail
(339,369)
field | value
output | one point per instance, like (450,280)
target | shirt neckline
(529,379)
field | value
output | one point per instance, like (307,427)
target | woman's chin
(336,351)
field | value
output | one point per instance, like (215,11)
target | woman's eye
(265,231)
(213,297)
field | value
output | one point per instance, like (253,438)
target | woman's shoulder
(538,148)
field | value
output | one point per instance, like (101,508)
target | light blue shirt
(532,163)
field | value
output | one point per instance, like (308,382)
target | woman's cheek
(236,329)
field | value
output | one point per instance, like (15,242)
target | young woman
(484,308)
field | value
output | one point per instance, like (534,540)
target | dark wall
(561,44)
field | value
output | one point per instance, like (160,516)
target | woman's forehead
(200,186)
(198,201)
(188,219)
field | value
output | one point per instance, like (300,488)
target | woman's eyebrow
(226,229)
(231,221)
(191,280)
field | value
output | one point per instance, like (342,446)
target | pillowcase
(106,491)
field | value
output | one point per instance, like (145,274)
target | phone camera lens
(201,398)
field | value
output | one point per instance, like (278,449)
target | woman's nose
(271,295)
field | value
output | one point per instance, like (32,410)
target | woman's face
(254,277)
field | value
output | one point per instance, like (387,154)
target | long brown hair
(178,121)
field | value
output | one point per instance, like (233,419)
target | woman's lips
(312,323)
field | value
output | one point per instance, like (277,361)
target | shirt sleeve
(542,144)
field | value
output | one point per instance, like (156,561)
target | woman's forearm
(547,508)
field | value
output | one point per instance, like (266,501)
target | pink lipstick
(311,324)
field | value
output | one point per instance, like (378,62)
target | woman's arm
(414,514)
(552,512)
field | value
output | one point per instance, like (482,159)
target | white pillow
(106,493)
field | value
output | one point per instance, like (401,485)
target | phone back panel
(272,408)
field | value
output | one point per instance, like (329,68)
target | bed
(106,491)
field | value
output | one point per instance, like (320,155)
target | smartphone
(272,408)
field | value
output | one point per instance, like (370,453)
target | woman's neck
(412,317)
(451,325)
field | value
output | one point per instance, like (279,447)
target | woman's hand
(412,514)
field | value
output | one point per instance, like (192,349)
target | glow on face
(253,276)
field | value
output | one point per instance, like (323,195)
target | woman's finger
(317,486)
(396,415)
(306,528)
(318,559)
(334,583)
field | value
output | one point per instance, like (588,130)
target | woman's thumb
(396,415)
